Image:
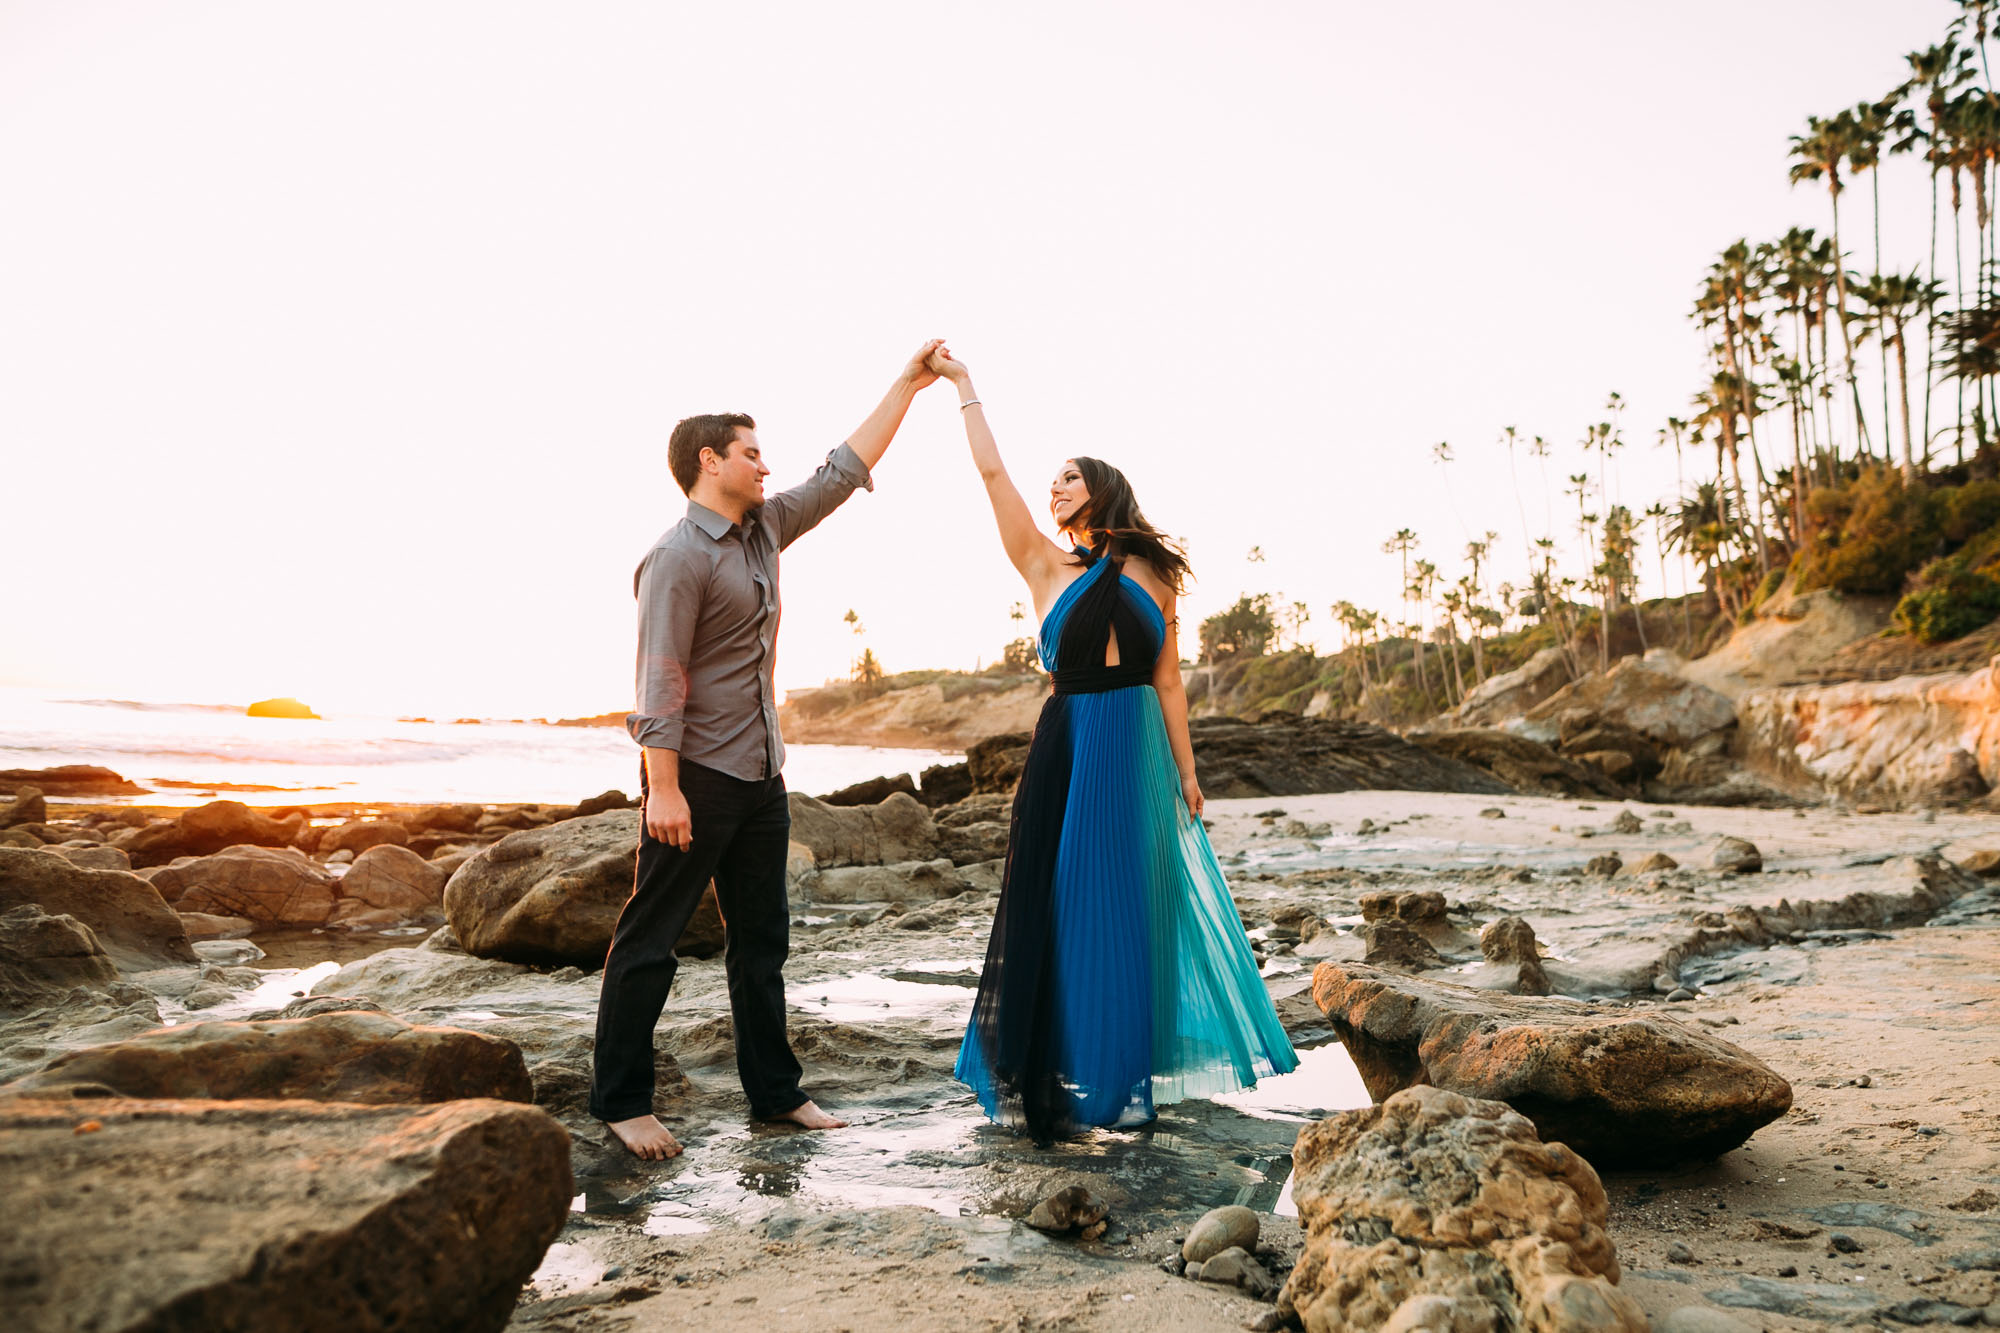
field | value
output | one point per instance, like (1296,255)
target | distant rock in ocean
(285,707)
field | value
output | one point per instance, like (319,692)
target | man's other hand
(667,817)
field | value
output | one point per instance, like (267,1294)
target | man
(714,801)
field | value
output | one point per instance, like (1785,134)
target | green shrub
(1951,603)
(1970,510)
(1867,537)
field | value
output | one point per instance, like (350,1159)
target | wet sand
(910,1216)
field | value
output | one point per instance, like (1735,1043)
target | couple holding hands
(1117,978)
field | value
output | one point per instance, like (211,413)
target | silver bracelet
(970,402)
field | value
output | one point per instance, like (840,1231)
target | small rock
(1627,822)
(1736,856)
(1680,1253)
(341,857)
(1071,1208)
(1679,994)
(1235,1267)
(1174,1265)
(1609,864)
(1231,1226)
(1492,812)
(1844,1243)
(1267,1322)
(1192,1272)
(1650,863)
(1789,1270)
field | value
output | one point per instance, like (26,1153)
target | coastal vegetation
(1854,422)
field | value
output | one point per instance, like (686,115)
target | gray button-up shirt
(708,625)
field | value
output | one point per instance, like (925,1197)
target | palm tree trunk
(1875,184)
(1903,375)
(1846,339)
(1930,322)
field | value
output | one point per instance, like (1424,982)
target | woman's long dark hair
(1114,525)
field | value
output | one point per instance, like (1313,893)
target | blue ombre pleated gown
(1118,978)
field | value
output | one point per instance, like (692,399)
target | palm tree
(1820,152)
(1404,542)
(1895,297)
(1727,398)
(1937,72)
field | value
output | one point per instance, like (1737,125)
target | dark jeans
(741,832)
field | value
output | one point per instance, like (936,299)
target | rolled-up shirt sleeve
(799,510)
(669,591)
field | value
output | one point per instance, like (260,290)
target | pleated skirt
(1153,995)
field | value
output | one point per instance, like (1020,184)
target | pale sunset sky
(340,343)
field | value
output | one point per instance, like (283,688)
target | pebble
(1070,1207)
(1789,1270)
(1173,1265)
(1492,812)
(1220,1229)
(1680,993)
(1843,1242)
(1680,1253)
(1267,1322)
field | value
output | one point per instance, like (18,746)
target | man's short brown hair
(715,431)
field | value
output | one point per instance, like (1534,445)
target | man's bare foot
(647,1137)
(811,1117)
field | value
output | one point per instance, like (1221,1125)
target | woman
(1118,978)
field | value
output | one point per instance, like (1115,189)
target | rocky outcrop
(42,957)
(205,830)
(1502,698)
(1648,696)
(1283,754)
(552,895)
(1907,741)
(131,921)
(1439,1213)
(950,715)
(70,780)
(255,1216)
(272,888)
(366,1058)
(1791,638)
(1624,1089)
(1521,764)
(897,829)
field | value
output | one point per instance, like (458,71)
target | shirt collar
(715,525)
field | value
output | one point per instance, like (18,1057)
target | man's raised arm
(800,509)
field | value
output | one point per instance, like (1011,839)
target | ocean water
(210,750)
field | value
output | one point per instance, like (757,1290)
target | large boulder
(27,807)
(1647,695)
(1283,754)
(127,915)
(367,1058)
(205,830)
(278,1216)
(1439,1213)
(872,791)
(1624,1089)
(552,895)
(272,888)
(390,880)
(896,829)
(42,957)
(1521,764)
(1502,698)
(994,763)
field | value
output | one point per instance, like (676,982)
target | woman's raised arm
(1034,555)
